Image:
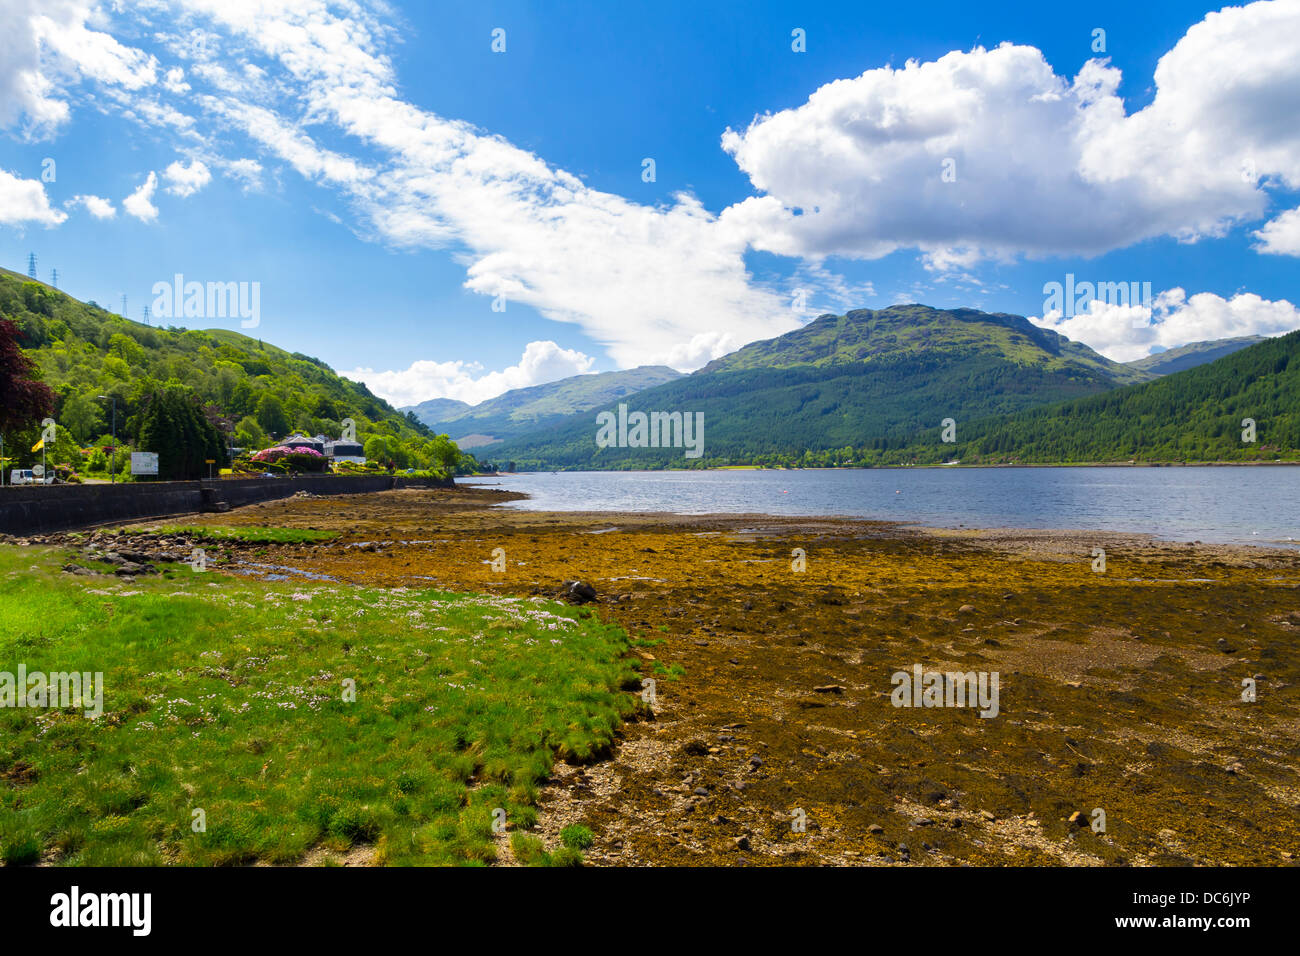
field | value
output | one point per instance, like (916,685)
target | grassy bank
(228,696)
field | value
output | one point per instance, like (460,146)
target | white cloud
(174,81)
(140,203)
(186,180)
(541,362)
(652,284)
(24,200)
(97,206)
(1037,164)
(45,47)
(1281,236)
(1171,320)
(1043,164)
(247,172)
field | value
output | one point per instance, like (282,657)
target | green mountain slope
(251,389)
(1192,355)
(522,410)
(903,331)
(1193,415)
(843,388)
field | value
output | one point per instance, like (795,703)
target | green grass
(248,535)
(577,837)
(227,695)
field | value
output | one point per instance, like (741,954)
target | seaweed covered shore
(773,643)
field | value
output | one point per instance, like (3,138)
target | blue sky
(385,176)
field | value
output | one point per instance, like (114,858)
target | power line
(54,278)
(31,265)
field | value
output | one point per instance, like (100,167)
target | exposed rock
(578,592)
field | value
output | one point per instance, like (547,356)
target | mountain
(84,351)
(438,410)
(523,410)
(1193,415)
(1192,355)
(904,331)
(843,387)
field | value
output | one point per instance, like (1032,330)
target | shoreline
(1119,690)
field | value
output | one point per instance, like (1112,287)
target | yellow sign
(39,445)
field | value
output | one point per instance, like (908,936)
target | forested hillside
(844,389)
(250,391)
(1194,415)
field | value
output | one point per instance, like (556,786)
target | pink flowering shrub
(293,459)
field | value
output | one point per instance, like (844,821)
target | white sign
(144,463)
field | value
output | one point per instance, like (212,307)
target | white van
(25,476)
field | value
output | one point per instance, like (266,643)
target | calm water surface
(1242,504)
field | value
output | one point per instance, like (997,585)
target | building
(352,451)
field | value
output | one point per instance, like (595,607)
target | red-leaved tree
(24,400)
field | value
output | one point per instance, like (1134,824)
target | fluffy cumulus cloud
(97,206)
(1281,236)
(186,180)
(24,201)
(991,153)
(541,362)
(140,203)
(1125,332)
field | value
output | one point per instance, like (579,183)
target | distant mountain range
(877,387)
(524,410)
(866,379)
(1192,355)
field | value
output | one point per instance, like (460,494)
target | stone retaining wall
(42,509)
